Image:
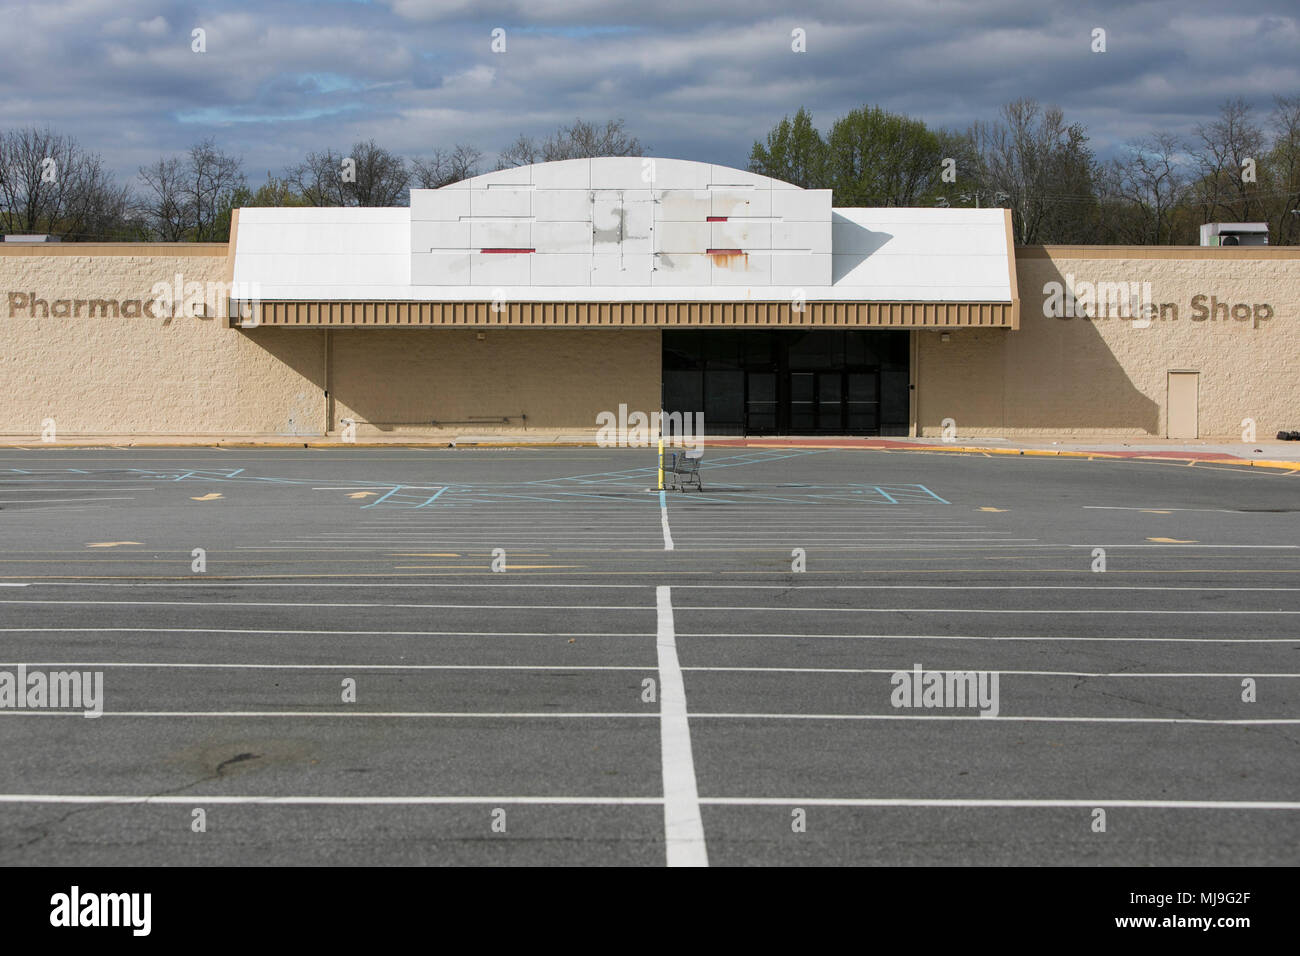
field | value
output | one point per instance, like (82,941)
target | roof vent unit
(1234,234)
(31,238)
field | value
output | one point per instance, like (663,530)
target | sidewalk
(1266,454)
(1270,454)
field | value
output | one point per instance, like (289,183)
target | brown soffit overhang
(885,315)
(136,250)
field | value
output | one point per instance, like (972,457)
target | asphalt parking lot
(647,678)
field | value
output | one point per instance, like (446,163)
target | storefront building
(531,300)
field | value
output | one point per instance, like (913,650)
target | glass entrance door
(817,402)
(830,402)
(786,382)
(862,404)
(760,403)
(803,403)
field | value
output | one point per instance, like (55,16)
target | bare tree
(584,140)
(111,213)
(381,177)
(188,197)
(1223,190)
(48,184)
(1284,171)
(319,179)
(446,167)
(581,140)
(1152,182)
(522,152)
(210,178)
(1044,168)
(166,208)
(369,175)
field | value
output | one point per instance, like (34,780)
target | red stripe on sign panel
(507,250)
(716,219)
(724,252)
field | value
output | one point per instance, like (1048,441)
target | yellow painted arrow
(362,494)
(211,496)
(109,544)
(1173,540)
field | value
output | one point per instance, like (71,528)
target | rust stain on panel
(734,259)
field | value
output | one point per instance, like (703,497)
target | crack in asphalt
(47,827)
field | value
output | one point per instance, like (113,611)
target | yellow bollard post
(661,464)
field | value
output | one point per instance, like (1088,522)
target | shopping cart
(683,470)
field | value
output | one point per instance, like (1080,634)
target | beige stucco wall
(146,376)
(559,378)
(1057,376)
(196,376)
(105,375)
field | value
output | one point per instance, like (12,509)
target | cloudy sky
(695,79)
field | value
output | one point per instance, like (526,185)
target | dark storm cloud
(695,80)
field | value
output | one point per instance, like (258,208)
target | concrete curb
(857,445)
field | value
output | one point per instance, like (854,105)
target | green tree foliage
(878,158)
(870,157)
(794,153)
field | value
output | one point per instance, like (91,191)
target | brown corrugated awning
(886,315)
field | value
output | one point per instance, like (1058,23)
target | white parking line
(356,604)
(928,610)
(1002,718)
(1160,508)
(370,586)
(862,637)
(949,802)
(32,501)
(895,670)
(627,607)
(683,826)
(558,668)
(378,488)
(434,714)
(313,632)
(940,587)
(423,800)
(193,799)
(207,585)
(663,521)
(1246,547)
(525,534)
(109,485)
(566,668)
(990,637)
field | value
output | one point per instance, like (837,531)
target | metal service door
(1183,391)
